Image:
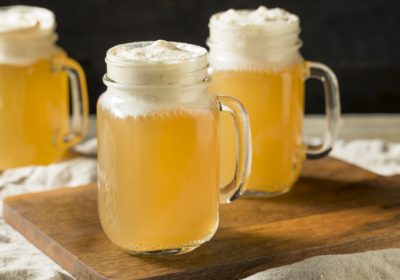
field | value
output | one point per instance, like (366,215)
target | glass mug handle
(236,186)
(79,100)
(324,74)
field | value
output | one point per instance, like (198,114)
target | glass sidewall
(277,158)
(135,112)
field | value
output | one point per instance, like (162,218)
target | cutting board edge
(9,199)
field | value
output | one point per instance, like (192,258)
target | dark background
(358,39)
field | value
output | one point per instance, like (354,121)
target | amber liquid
(275,102)
(158,179)
(33,114)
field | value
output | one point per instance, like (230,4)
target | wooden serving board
(334,208)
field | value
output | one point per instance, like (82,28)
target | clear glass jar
(35,79)
(254,56)
(158,152)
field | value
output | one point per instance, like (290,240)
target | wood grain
(334,208)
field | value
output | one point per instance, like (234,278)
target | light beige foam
(158,51)
(254,39)
(156,63)
(26,34)
(260,16)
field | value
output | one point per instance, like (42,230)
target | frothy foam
(25,20)
(159,51)
(26,34)
(156,63)
(261,16)
(12,23)
(123,104)
(143,77)
(254,39)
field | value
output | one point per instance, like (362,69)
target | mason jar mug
(35,79)
(254,56)
(158,148)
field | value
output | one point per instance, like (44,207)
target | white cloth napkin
(375,155)
(21,260)
(371,265)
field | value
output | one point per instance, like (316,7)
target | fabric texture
(370,265)
(19,259)
(374,155)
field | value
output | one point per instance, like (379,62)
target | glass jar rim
(146,72)
(126,62)
(114,84)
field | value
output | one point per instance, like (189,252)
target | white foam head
(158,51)
(264,18)
(253,38)
(26,34)
(158,63)
(144,77)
